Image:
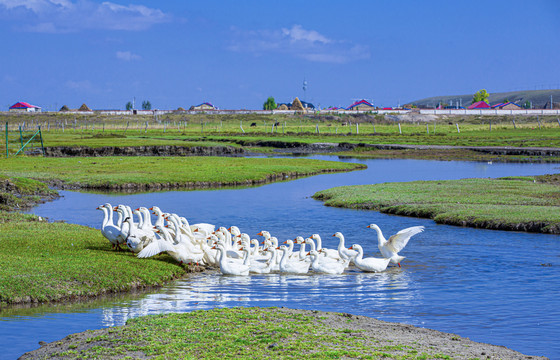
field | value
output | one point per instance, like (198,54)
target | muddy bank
(152,150)
(533,226)
(335,334)
(288,147)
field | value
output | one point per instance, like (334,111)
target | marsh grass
(102,172)
(43,262)
(520,203)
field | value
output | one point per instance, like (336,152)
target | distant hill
(539,98)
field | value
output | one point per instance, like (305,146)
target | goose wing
(154,248)
(398,241)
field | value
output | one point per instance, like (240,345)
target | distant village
(297,106)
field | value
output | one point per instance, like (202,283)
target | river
(491,286)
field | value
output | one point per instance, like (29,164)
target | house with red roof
(24,107)
(361,105)
(479,105)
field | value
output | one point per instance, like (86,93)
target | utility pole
(550,102)
(133,102)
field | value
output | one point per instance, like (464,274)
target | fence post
(357,129)
(317,128)
(557,119)
(400,131)
(146,129)
(539,121)
(21,136)
(41,137)
(241,126)
(427,129)
(7,154)
(458,131)
(513,121)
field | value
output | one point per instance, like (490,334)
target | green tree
(146,105)
(527,105)
(269,104)
(128,105)
(480,95)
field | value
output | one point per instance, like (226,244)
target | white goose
(331,253)
(230,267)
(390,248)
(108,229)
(342,251)
(292,266)
(369,264)
(325,267)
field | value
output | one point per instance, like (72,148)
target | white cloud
(298,42)
(298,33)
(127,56)
(62,16)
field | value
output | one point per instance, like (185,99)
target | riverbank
(260,333)
(157,173)
(518,203)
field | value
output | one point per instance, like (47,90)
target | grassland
(522,203)
(235,130)
(44,262)
(147,172)
(269,333)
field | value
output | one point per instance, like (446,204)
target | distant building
(479,105)
(361,105)
(24,107)
(506,106)
(203,106)
(288,106)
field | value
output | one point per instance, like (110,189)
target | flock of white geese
(234,252)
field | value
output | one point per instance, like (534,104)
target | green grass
(175,171)
(212,130)
(253,333)
(42,262)
(510,203)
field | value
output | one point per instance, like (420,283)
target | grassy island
(266,333)
(165,172)
(515,203)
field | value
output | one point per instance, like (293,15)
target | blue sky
(235,54)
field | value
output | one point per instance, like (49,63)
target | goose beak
(115,208)
(98,208)
(138,209)
(229,228)
(260,234)
(213,247)
(351,248)
(285,242)
(309,253)
(368,226)
(334,234)
(152,208)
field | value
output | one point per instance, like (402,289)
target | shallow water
(490,286)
